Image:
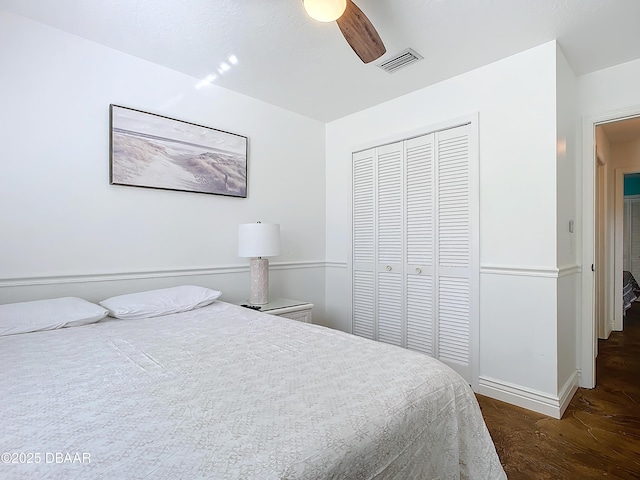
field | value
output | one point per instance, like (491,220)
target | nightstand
(284,307)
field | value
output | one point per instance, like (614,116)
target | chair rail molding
(529,271)
(144,274)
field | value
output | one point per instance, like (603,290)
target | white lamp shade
(325,10)
(258,240)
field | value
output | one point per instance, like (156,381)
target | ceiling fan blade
(360,34)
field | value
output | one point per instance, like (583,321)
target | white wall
(604,237)
(625,154)
(603,146)
(603,284)
(513,97)
(516,102)
(567,122)
(609,90)
(60,217)
(605,225)
(624,159)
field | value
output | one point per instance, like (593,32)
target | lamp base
(259,272)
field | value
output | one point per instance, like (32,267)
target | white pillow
(164,301)
(38,315)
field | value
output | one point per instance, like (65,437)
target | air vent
(401,60)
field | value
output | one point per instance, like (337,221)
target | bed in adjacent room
(630,290)
(224,392)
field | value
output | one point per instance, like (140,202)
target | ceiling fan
(356,28)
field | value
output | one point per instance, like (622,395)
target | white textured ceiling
(288,59)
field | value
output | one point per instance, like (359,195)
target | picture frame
(153,151)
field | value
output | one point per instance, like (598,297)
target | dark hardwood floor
(599,434)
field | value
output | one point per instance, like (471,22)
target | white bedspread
(227,393)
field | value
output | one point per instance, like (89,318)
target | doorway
(612,149)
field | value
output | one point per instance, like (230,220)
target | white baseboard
(568,391)
(530,399)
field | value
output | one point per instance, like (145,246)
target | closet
(414,243)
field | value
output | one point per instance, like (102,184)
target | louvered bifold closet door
(364,244)
(453,250)
(390,253)
(419,266)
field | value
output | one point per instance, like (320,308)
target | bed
(224,392)
(630,290)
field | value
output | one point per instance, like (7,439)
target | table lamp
(257,240)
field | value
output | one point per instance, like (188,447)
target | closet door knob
(388,268)
(418,270)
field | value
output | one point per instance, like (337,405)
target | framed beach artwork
(152,151)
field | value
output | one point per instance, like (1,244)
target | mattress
(224,392)
(630,290)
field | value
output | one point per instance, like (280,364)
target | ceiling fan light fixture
(325,10)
